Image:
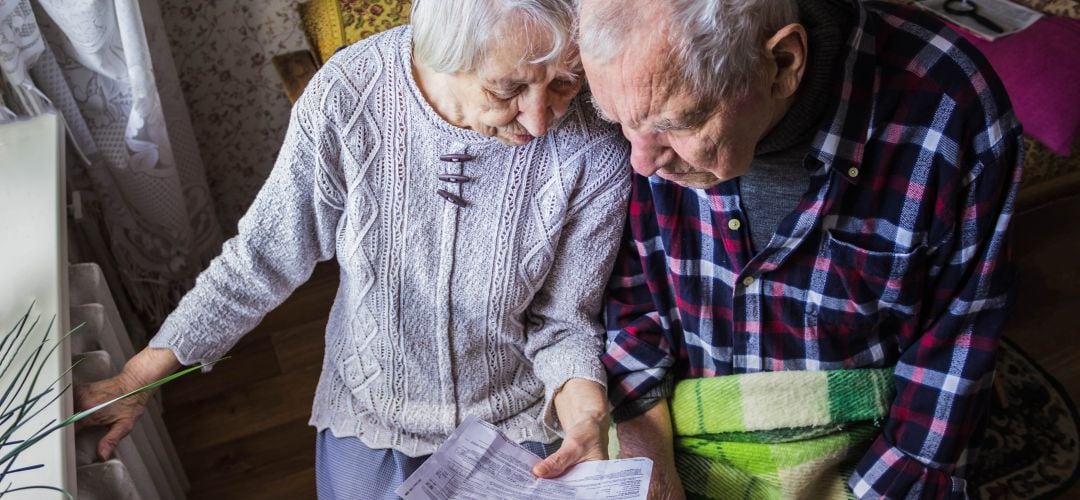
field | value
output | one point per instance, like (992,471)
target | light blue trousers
(346,469)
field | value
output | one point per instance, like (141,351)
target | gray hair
(716,44)
(452,36)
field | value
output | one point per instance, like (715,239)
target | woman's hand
(120,417)
(582,410)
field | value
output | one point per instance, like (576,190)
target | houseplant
(23,397)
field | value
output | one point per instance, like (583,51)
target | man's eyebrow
(687,120)
(670,124)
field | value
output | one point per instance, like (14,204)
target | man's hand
(120,417)
(650,435)
(582,410)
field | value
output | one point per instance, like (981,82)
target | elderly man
(814,275)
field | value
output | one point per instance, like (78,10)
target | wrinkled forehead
(508,67)
(636,86)
(523,47)
(544,38)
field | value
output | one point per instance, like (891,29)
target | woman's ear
(787,51)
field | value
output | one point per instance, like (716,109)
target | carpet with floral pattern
(1031,447)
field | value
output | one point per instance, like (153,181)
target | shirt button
(747,281)
(853,172)
(734,224)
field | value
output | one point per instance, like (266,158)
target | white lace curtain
(105,66)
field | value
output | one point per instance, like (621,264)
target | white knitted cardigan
(443,311)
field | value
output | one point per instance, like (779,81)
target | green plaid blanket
(777,434)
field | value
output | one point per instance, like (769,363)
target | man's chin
(695,180)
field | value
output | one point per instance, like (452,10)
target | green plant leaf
(85,413)
(153,385)
(24,488)
(20,404)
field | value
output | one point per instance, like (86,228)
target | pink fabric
(1040,68)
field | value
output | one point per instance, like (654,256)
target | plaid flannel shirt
(895,257)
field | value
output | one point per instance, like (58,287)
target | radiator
(34,269)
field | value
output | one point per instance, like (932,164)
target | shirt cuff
(635,407)
(887,472)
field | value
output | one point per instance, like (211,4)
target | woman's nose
(535,113)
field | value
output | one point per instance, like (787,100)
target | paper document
(479,462)
(984,18)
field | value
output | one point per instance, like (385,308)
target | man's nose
(646,152)
(535,113)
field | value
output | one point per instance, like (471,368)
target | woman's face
(512,100)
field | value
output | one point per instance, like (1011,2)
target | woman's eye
(562,84)
(503,94)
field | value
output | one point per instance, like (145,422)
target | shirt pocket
(859,293)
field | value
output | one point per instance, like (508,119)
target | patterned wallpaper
(223,52)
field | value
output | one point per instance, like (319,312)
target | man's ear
(787,51)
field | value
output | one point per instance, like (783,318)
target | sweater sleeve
(290,226)
(565,335)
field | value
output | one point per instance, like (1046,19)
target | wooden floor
(242,432)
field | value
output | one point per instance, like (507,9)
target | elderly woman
(474,205)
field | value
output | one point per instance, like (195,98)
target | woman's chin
(515,139)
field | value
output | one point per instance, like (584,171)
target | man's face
(672,135)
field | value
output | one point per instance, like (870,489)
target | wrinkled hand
(586,440)
(119,417)
(665,484)
(649,435)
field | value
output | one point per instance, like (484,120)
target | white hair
(451,36)
(715,44)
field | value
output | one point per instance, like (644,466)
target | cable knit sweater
(443,311)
